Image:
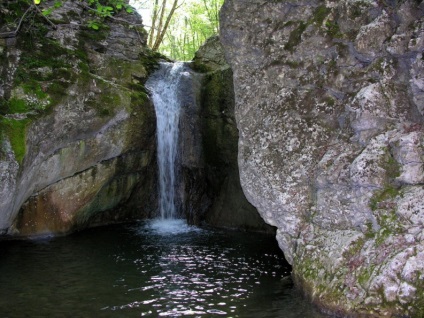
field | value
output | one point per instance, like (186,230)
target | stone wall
(329,107)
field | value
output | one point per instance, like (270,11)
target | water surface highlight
(148,269)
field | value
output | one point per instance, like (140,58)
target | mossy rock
(15,131)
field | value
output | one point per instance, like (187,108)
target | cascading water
(164,87)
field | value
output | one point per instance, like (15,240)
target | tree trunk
(152,28)
(162,31)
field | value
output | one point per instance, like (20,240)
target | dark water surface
(148,269)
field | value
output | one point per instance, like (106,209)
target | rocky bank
(329,106)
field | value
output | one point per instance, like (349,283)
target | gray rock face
(77,132)
(219,135)
(329,106)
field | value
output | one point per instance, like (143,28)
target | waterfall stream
(164,86)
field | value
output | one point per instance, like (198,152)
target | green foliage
(101,9)
(47,11)
(93,24)
(192,24)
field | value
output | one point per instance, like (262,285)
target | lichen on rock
(329,110)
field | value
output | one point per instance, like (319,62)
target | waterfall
(164,86)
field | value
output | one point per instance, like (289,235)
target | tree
(160,26)
(190,28)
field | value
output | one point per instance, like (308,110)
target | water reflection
(148,270)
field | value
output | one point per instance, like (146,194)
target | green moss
(391,166)
(320,14)
(332,29)
(293,64)
(34,87)
(369,233)
(151,59)
(17,106)
(44,71)
(15,130)
(354,248)
(295,37)
(418,311)
(139,98)
(95,35)
(389,192)
(314,281)
(105,104)
(330,101)
(382,235)
(47,53)
(287,23)
(365,275)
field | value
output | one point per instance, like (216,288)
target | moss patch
(320,14)
(332,29)
(379,197)
(15,130)
(295,37)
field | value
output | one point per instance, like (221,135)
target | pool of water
(148,269)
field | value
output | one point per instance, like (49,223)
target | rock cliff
(77,130)
(208,186)
(329,106)
(228,206)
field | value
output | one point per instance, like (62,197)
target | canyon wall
(77,129)
(229,207)
(329,106)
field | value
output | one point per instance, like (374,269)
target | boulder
(329,111)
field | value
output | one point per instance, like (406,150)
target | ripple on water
(151,269)
(199,275)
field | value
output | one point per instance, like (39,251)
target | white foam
(170,226)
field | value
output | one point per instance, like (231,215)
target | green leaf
(93,25)
(58,4)
(47,12)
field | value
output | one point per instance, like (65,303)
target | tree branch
(13,34)
(47,19)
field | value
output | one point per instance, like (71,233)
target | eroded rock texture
(77,130)
(219,136)
(329,106)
